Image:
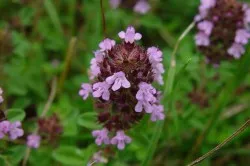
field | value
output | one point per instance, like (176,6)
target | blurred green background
(43,39)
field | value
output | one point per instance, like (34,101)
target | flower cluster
(13,130)
(122,76)
(139,6)
(33,141)
(1,97)
(222,32)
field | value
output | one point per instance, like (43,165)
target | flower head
(85,91)
(120,140)
(122,86)
(118,80)
(101,136)
(130,35)
(33,141)
(142,7)
(4,128)
(15,130)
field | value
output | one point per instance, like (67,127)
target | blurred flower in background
(122,76)
(222,32)
(139,6)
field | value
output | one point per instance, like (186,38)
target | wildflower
(4,128)
(15,130)
(142,7)
(101,89)
(222,29)
(236,50)
(130,35)
(118,80)
(120,140)
(106,44)
(85,91)
(94,69)
(123,87)
(33,141)
(101,136)
(157,113)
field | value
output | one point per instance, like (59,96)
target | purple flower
(206,4)
(154,54)
(201,39)
(247,16)
(157,113)
(99,55)
(101,136)
(130,35)
(143,105)
(15,130)
(236,50)
(33,141)
(85,91)
(146,92)
(206,27)
(158,78)
(118,80)
(158,69)
(94,69)
(101,89)
(1,97)
(4,128)
(114,3)
(106,44)
(242,36)
(120,140)
(142,7)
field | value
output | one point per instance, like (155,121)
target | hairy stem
(211,152)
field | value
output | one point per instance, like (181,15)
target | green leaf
(15,114)
(88,120)
(69,155)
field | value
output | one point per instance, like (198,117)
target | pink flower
(15,130)
(130,35)
(206,27)
(118,80)
(120,140)
(146,92)
(157,113)
(206,4)
(4,128)
(101,136)
(236,50)
(114,3)
(242,36)
(33,141)
(147,106)
(99,55)
(142,7)
(106,44)
(101,89)
(201,39)
(154,54)
(94,69)
(85,91)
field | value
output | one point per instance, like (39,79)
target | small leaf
(69,155)
(15,114)
(88,120)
